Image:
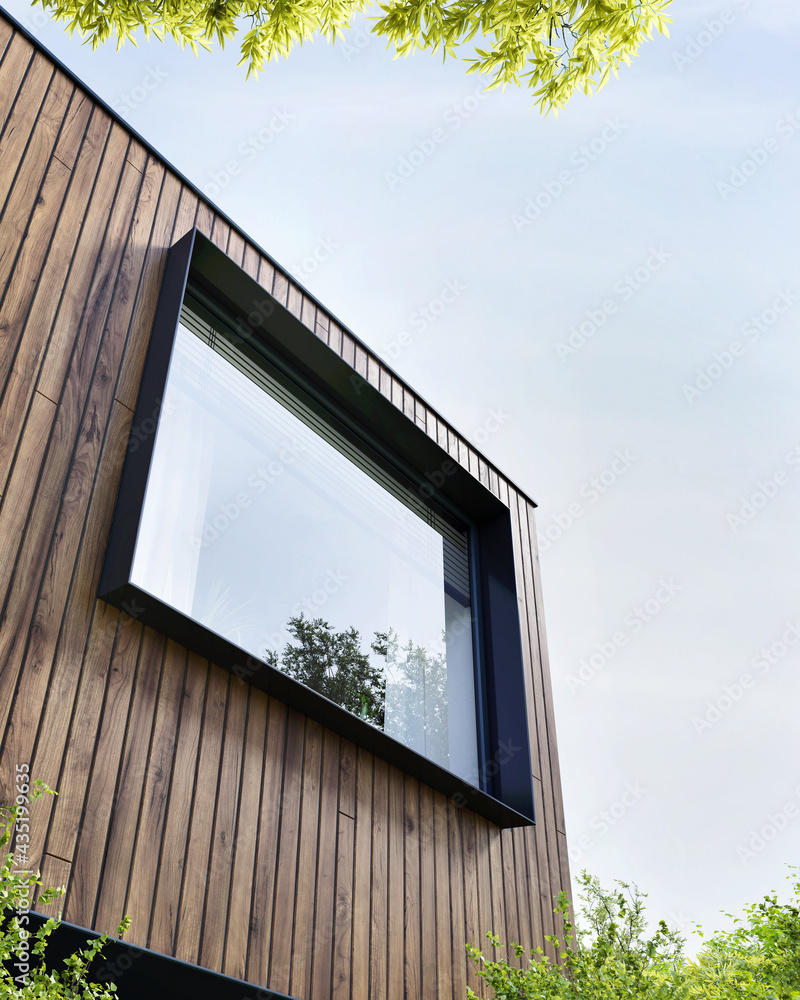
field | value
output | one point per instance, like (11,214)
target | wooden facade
(238,834)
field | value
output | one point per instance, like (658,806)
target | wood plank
(204,219)
(445,945)
(396,878)
(198,846)
(167,896)
(497,916)
(528,635)
(472,924)
(6,34)
(92,227)
(521,882)
(379,915)
(322,325)
(24,194)
(308,315)
(62,582)
(70,140)
(235,249)
(412,889)
(427,895)
(266,274)
(486,922)
(546,849)
(223,841)
(244,862)
(335,335)
(123,826)
(534,901)
(362,888)
(29,74)
(458,886)
(343,924)
(130,375)
(347,779)
(187,214)
(13,517)
(47,283)
(16,60)
(50,497)
(509,887)
(348,353)
(307,867)
(250,261)
(267,849)
(81,608)
(220,233)
(280,954)
(157,785)
(55,874)
(68,768)
(325,909)
(280,287)
(99,801)
(294,302)
(555,768)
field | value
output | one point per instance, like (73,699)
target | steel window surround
(349,530)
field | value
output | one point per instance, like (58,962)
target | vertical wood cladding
(238,834)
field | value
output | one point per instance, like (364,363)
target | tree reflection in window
(413,679)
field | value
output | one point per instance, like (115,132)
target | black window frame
(506,797)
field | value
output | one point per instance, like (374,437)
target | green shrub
(23,972)
(611,956)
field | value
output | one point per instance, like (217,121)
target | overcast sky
(628,301)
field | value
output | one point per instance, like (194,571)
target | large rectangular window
(281,517)
(266,522)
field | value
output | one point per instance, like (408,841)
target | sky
(607,303)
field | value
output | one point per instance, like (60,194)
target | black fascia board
(196,259)
(140,972)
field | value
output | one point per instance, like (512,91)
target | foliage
(557,46)
(613,958)
(18,947)
(416,696)
(333,664)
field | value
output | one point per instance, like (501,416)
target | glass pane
(269,526)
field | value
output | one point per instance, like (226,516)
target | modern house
(270,625)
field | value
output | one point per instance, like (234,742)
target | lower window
(280,517)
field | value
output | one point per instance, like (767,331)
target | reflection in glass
(260,510)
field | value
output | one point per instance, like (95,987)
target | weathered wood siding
(237,833)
